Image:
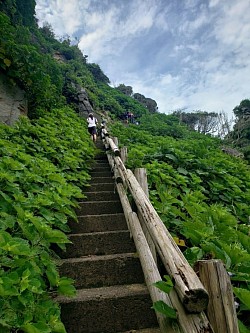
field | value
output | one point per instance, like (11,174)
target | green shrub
(42,165)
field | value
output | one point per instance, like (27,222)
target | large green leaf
(243,295)
(165,309)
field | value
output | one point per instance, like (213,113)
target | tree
(98,73)
(201,121)
(127,90)
(149,103)
(241,130)
(243,109)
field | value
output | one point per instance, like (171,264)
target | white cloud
(108,33)
(64,16)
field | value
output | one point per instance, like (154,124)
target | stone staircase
(102,259)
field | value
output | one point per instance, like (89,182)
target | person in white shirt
(92,122)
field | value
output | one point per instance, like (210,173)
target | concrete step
(96,223)
(101,167)
(101,156)
(101,173)
(94,187)
(98,243)
(108,310)
(102,196)
(99,271)
(101,162)
(101,180)
(145,330)
(103,207)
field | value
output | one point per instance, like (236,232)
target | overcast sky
(192,54)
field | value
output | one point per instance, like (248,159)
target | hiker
(92,122)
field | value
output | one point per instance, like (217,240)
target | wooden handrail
(187,284)
(189,297)
(186,323)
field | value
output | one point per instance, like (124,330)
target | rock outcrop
(83,102)
(13,103)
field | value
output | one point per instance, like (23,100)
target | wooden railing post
(221,309)
(141,176)
(124,154)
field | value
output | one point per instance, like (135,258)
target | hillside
(201,193)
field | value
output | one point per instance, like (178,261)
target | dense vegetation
(43,165)
(201,194)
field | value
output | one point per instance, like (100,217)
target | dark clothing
(92,130)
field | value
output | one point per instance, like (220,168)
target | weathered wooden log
(115,139)
(124,154)
(111,161)
(141,176)
(186,323)
(119,177)
(221,309)
(104,132)
(113,147)
(149,267)
(187,284)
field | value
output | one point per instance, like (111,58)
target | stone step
(95,180)
(100,271)
(98,243)
(101,167)
(96,223)
(145,330)
(94,187)
(102,173)
(100,156)
(101,162)
(100,146)
(103,207)
(102,196)
(108,310)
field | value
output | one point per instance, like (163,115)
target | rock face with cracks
(13,103)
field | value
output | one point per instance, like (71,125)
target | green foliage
(160,306)
(165,309)
(20,12)
(24,65)
(166,285)
(42,165)
(201,194)
(242,109)
(98,73)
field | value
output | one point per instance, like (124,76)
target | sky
(184,54)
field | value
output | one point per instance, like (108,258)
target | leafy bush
(201,194)
(42,165)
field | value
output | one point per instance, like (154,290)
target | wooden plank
(221,309)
